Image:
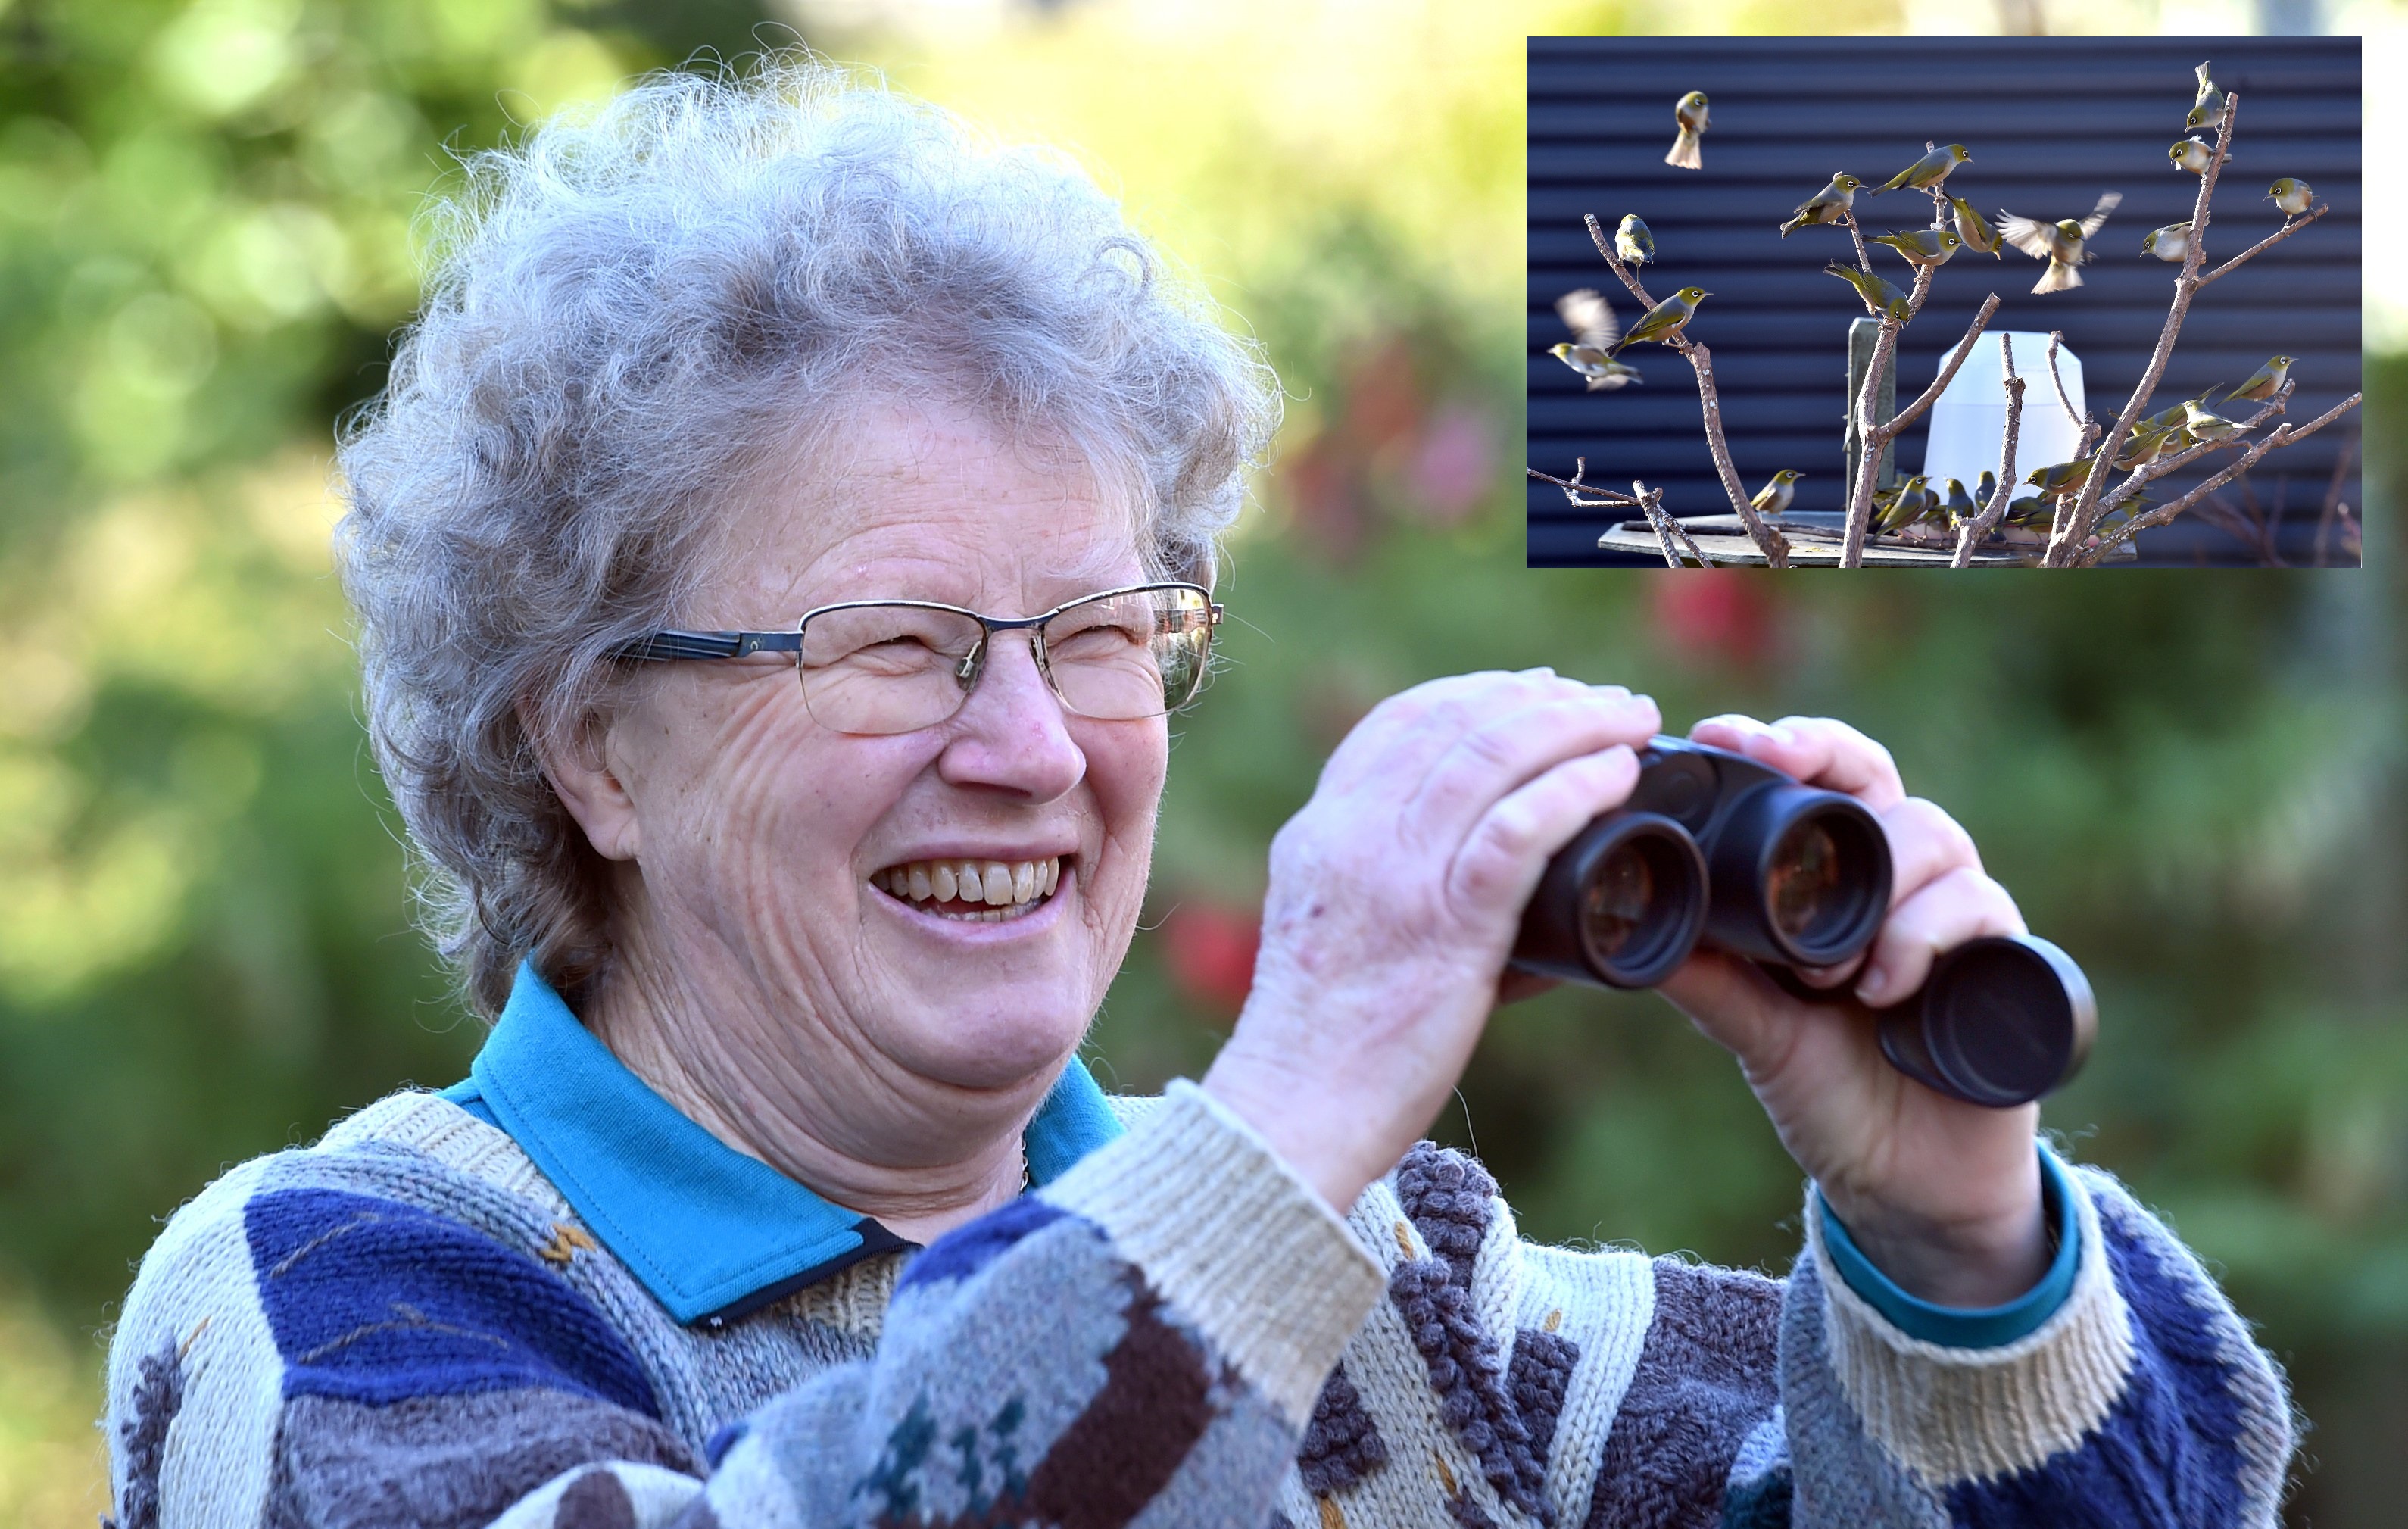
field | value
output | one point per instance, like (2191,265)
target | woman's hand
(1394,897)
(1943,1196)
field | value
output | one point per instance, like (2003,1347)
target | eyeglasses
(882,667)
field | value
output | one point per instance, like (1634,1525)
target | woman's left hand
(1943,1196)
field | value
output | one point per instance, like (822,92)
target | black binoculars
(1715,847)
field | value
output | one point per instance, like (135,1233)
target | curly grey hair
(629,312)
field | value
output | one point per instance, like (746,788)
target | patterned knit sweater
(411,1323)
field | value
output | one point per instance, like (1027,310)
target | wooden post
(1862,335)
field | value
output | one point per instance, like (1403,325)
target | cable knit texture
(407,1323)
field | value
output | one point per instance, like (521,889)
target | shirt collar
(711,1232)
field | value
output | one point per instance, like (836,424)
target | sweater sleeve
(1145,1336)
(2141,1401)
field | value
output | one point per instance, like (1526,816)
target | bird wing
(2107,204)
(2032,237)
(1589,316)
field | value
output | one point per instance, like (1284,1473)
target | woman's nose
(1012,732)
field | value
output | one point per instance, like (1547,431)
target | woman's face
(767,842)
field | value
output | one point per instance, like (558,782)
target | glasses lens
(1804,883)
(1130,654)
(1618,900)
(886,668)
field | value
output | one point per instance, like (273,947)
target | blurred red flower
(1210,948)
(1720,614)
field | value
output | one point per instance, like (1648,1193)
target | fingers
(1962,904)
(1924,844)
(1501,859)
(1393,745)
(1819,750)
(1503,751)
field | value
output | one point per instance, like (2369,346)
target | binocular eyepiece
(1714,847)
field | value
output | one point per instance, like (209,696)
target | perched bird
(1663,322)
(2208,107)
(1958,505)
(2142,446)
(2292,196)
(2192,155)
(1986,487)
(1975,230)
(2206,424)
(1879,295)
(1632,241)
(2029,514)
(1828,206)
(1772,500)
(2059,243)
(1590,317)
(1930,170)
(1690,112)
(2172,242)
(2060,478)
(1913,503)
(1923,246)
(2266,381)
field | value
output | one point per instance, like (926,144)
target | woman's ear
(578,762)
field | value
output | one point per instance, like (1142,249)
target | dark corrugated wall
(2050,124)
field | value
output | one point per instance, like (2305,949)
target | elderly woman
(783,537)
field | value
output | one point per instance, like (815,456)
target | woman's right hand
(1394,897)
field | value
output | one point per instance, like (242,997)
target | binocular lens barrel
(1800,877)
(1621,905)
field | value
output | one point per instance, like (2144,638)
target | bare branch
(2077,513)
(1668,530)
(2166,514)
(2087,427)
(1908,415)
(2289,228)
(1771,543)
(2332,495)
(1864,261)
(1988,517)
(2150,472)
(1574,488)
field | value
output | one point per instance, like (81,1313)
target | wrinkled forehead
(923,499)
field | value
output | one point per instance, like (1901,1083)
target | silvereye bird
(2206,424)
(2192,155)
(1663,322)
(1772,500)
(2060,244)
(2144,447)
(2172,242)
(1632,241)
(1930,170)
(1986,487)
(1923,246)
(2060,478)
(1591,319)
(1975,230)
(2266,381)
(1914,502)
(1828,206)
(1690,112)
(1958,505)
(1879,295)
(2209,108)
(2292,196)
(2031,514)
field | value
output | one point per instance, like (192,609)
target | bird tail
(1684,153)
(2059,276)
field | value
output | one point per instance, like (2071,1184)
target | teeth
(1000,890)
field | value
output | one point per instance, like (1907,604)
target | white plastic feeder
(1969,422)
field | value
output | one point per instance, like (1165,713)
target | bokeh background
(2194,780)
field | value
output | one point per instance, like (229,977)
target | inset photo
(1867,302)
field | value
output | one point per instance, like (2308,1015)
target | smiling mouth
(977,890)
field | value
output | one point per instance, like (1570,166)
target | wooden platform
(1814,542)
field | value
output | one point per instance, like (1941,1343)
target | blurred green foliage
(2193,781)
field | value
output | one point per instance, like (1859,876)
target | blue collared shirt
(711,1232)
